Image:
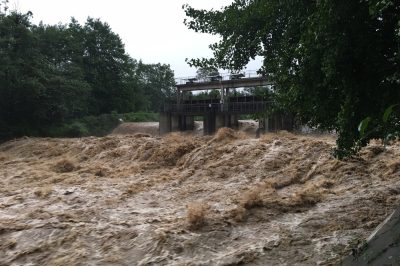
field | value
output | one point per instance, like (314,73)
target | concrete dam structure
(221,111)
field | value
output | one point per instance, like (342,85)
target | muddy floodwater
(183,199)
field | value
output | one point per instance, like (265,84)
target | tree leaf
(388,112)
(363,125)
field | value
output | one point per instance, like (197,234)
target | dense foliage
(51,75)
(333,62)
(206,72)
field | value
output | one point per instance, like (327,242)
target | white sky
(152,30)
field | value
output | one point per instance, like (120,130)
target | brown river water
(183,199)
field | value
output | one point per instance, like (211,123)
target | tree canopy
(50,74)
(333,62)
(204,72)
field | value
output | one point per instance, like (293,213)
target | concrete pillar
(189,123)
(164,123)
(272,123)
(219,121)
(209,124)
(205,125)
(175,125)
(279,121)
(234,121)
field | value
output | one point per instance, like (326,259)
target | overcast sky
(152,30)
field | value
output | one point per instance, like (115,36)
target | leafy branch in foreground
(388,128)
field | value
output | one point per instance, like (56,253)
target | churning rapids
(182,199)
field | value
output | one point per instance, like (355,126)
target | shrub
(76,129)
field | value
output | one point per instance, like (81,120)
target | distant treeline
(52,75)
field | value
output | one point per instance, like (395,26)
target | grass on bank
(98,125)
(81,127)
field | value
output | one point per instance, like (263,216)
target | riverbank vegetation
(67,79)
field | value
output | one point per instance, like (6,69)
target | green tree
(105,65)
(157,84)
(333,62)
(205,72)
(23,74)
(67,91)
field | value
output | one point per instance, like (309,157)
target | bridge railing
(220,77)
